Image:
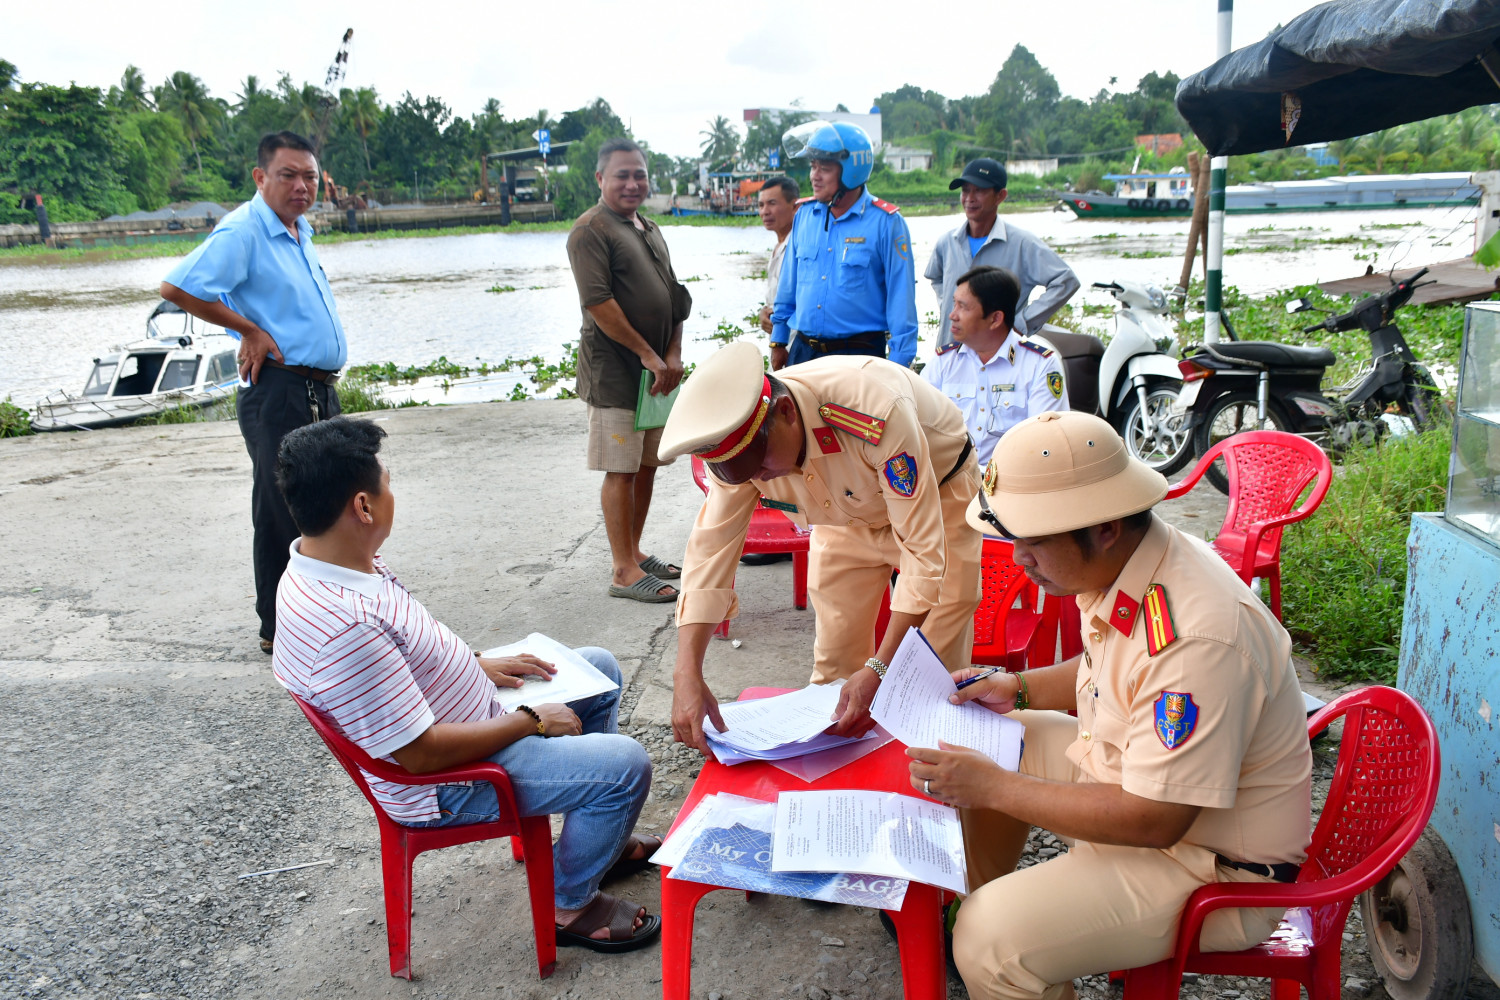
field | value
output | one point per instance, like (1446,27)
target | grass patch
(14,421)
(1146,254)
(501,289)
(1344,569)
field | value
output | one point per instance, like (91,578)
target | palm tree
(1468,128)
(132,92)
(361,113)
(185,98)
(721,140)
(1378,145)
(249,91)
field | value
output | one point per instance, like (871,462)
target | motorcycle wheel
(1230,414)
(1422,404)
(1170,445)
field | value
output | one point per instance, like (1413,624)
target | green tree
(153,146)
(721,142)
(132,94)
(362,114)
(579,122)
(576,190)
(185,98)
(63,143)
(7,74)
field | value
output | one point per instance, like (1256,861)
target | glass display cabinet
(1473,501)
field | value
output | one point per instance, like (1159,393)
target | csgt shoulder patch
(901,473)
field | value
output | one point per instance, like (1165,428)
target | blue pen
(977,677)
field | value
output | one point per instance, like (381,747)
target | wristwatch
(876,664)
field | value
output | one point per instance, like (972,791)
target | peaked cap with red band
(721,409)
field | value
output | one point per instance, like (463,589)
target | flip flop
(617,915)
(660,568)
(624,866)
(268,646)
(645,590)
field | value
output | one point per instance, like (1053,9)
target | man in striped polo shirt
(352,642)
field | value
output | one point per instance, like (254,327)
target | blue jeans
(598,781)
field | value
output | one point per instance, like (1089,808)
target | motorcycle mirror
(1298,305)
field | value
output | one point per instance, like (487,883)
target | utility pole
(1213,291)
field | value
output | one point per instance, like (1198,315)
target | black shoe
(267,646)
(764,558)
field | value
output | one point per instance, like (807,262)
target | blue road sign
(545,147)
(774,160)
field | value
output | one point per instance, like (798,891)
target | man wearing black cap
(984,240)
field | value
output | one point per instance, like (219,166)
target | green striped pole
(1213,290)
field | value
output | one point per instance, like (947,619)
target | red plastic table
(918,924)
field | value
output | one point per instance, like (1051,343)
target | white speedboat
(182,362)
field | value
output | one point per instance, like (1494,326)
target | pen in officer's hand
(977,677)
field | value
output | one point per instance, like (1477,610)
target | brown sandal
(625,865)
(617,915)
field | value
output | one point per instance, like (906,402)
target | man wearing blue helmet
(847,282)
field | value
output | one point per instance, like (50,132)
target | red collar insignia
(827,440)
(1122,616)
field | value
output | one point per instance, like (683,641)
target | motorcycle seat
(1069,344)
(1268,352)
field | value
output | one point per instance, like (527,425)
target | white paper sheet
(576,678)
(670,853)
(765,723)
(912,703)
(810,767)
(882,833)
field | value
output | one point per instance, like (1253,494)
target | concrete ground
(152,758)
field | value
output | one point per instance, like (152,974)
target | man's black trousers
(277,404)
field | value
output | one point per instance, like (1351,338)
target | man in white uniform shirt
(996,377)
(356,646)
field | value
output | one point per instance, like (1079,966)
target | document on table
(765,723)
(884,833)
(912,703)
(727,842)
(576,678)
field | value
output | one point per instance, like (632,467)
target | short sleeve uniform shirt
(1022,378)
(1187,694)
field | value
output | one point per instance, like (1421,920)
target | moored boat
(1151,195)
(191,365)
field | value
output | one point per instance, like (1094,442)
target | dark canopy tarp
(1347,68)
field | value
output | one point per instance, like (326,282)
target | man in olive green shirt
(633,310)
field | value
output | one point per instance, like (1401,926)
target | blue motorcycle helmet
(841,141)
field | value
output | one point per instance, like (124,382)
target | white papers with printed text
(576,678)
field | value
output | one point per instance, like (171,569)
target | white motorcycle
(1134,381)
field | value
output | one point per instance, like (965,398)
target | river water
(410,301)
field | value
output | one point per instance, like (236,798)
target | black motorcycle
(1241,385)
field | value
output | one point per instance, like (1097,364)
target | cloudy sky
(666,66)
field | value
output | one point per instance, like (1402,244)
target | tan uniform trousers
(1094,909)
(849,569)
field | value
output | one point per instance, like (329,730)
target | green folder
(651,411)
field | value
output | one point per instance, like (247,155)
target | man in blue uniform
(257,275)
(848,282)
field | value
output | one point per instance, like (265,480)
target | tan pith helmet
(1059,471)
(721,410)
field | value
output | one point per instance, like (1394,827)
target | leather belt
(823,345)
(316,374)
(963,457)
(1285,872)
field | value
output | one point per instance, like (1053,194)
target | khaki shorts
(616,446)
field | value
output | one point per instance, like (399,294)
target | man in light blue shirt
(257,275)
(848,279)
(984,240)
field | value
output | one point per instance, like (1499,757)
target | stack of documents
(912,704)
(788,725)
(576,678)
(810,844)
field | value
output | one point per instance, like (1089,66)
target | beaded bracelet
(541,728)
(1022,698)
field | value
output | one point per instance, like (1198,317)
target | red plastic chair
(1267,471)
(918,922)
(770,531)
(1382,793)
(400,845)
(1004,634)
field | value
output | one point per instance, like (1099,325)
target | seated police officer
(1188,762)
